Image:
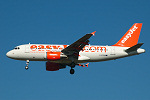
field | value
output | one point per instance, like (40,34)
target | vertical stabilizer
(131,36)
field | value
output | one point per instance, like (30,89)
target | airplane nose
(11,54)
(8,54)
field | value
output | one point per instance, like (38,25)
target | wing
(76,47)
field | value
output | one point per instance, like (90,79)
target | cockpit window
(16,48)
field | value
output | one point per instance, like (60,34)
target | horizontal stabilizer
(135,47)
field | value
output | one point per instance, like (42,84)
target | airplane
(80,52)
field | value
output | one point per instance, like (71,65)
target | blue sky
(63,22)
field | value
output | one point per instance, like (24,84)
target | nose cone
(8,54)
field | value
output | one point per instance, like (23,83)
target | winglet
(87,64)
(93,33)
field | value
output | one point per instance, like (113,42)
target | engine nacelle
(54,66)
(55,55)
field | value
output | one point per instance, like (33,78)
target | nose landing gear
(27,65)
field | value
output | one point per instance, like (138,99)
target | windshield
(16,48)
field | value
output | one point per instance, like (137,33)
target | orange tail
(131,37)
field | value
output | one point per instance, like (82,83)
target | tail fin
(131,37)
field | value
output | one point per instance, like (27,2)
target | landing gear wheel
(27,62)
(72,71)
(26,67)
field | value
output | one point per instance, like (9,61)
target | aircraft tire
(72,71)
(26,67)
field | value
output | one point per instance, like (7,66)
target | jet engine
(54,66)
(55,55)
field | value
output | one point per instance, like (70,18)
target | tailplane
(131,36)
(134,48)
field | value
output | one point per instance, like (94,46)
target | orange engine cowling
(53,55)
(54,66)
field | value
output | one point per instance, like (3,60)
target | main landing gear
(72,71)
(72,65)
(27,64)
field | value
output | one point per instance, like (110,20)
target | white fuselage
(90,53)
(59,56)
